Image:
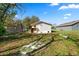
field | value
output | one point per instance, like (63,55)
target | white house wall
(43,28)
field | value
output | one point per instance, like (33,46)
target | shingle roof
(68,23)
(39,23)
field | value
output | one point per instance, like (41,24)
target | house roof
(68,23)
(39,23)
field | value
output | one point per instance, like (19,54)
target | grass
(60,47)
(15,44)
(74,34)
(10,52)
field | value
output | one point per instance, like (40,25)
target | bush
(2,30)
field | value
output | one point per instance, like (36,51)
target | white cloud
(67,15)
(54,4)
(70,6)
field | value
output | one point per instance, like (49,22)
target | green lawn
(60,47)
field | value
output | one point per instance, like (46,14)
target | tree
(9,21)
(8,9)
(34,19)
(2,30)
(5,11)
(28,21)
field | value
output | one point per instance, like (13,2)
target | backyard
(23,31)
(64,43)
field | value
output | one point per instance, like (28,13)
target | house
(73,25)
(40,27)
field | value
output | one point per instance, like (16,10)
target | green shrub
(2,30)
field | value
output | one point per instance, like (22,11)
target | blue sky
(54,13)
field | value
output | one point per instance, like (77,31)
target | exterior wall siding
(73,27)
(65,28)
(43,28)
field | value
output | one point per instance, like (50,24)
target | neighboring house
(74,25)
(40,27)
